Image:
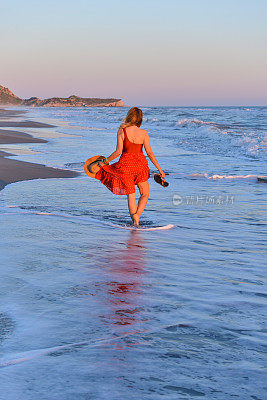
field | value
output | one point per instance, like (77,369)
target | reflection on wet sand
(121,291)
(124,286)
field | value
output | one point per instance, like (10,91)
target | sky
(147,52)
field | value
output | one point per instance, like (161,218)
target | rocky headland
(9,98)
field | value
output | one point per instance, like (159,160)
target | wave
(194,122)
(222,131)
(214,138)
(218,176)
(88,218)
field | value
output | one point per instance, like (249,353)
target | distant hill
(9,98)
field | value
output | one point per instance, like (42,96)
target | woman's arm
(118,150)
(151,155)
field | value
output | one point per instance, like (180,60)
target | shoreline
(11,170)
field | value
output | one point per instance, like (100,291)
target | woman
(132,168)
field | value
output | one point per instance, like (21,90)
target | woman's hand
(162,174)
(104,162)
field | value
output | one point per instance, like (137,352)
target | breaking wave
(218,176)
(227,139)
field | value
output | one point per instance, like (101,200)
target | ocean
(91,309)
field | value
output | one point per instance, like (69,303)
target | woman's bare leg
(132,204)
(142,202)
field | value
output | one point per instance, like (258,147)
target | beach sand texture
(13,170)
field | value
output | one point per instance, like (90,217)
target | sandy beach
(93,309)
(8,137)
(13,170)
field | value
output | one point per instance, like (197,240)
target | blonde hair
(134,117)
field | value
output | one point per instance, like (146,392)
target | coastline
(74,271)
(9,98)
(14,170)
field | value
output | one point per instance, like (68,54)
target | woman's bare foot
(131,215)
(135,218)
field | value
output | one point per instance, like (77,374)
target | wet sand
(24,124)
(13,170)
(8,137)
(4,113)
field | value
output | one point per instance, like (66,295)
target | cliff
(9,98)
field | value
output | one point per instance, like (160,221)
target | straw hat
(94,168)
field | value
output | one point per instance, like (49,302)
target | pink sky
(179,53)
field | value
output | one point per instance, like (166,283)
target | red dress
(132,168)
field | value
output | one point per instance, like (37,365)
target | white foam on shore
(142,228)
(32,354)
(87,219)
(217,176)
